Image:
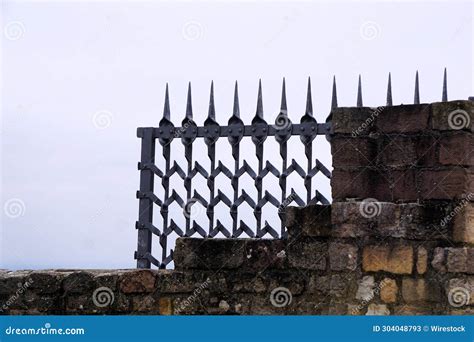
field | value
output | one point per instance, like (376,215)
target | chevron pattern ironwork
(259,130)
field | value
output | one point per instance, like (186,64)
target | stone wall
(398,238)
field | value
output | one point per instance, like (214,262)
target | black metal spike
(389,91)
(236,109)
(359,93)
(166,109)
(445,87)
(189,106)
(334,93)
(417,90)
(212,110)
(283,107)
(259,112)
(309,101)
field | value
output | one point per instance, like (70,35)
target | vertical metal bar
(445,87)
(308,143)
(283,154)
(188,154)
(166,126)
(145,214)
(416,99)
(164,209)
(389,91)
(236,125)
(260,129)
(212,134)
(359,93)
(282,139)
(334,93)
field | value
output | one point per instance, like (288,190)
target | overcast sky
(79,77)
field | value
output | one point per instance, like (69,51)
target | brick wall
(398,238)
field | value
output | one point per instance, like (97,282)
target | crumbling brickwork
(398,238)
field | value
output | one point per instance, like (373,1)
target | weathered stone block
(463,222)
(354,121)
(347,220)
(424,222)
(361,183)
(412,310)
(139,281)
(444,184)
(400,151)
(165,306)
(457,148)
(388,290)
(403,185)
(365,291)
(342,256)
(46,282)
(403,119)
(422,260)
(453,116)
(310,221)
(264,254)
(460,292)
(171,281)
(342,287)
(460,260)
(419,290)
(439,260)
(377,310)
(308,255)
(397,259)
(209,254)
(79,282)
(11,282)
(353,152)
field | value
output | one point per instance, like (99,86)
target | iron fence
(258,131)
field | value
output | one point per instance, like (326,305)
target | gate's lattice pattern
(211,131)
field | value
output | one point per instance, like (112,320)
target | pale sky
(78,78)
